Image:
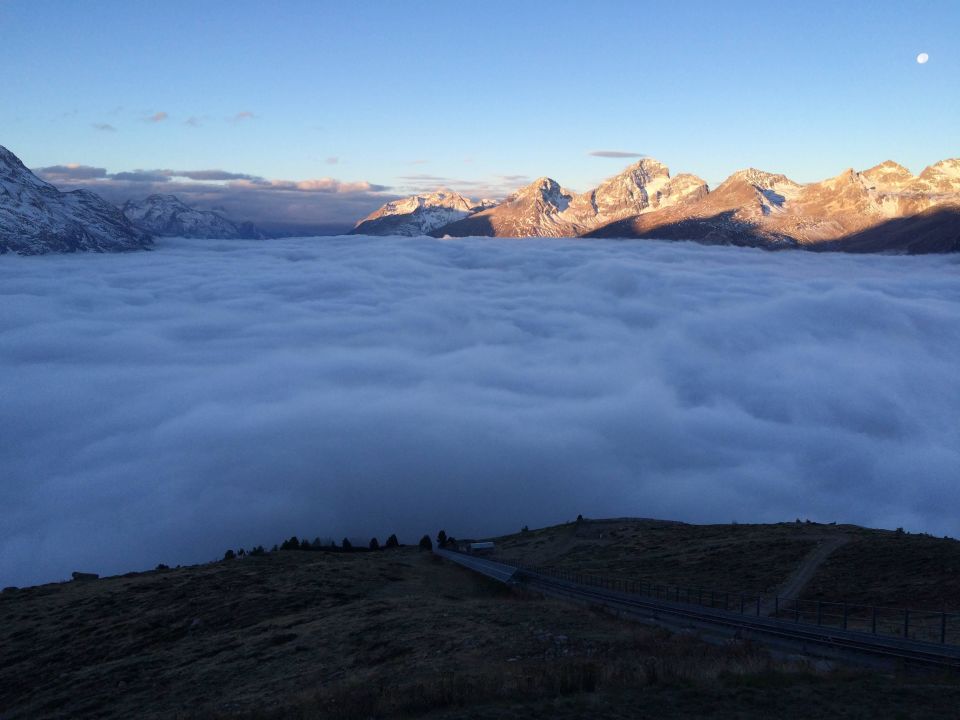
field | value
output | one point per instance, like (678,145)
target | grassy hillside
(877,567)
(390,634)
(881,567)
(748,558)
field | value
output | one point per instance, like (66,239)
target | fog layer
(164,406)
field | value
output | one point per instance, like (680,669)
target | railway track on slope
(802,638)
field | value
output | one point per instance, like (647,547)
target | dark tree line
(316,545)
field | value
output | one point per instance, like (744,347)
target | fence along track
(671,604)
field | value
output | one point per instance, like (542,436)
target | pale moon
(922,58)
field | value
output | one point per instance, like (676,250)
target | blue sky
(480,96)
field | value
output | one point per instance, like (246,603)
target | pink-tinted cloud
(70,171)
(244,115)
(158,117)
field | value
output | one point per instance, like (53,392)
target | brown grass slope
(735,558)
(329,635)
(877,567)
(401,634)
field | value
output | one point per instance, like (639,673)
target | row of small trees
(295,543)
(443,541)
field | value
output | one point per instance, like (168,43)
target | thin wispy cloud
(213,394)
(104,127)
(427,177)
(241,116)
(158,117)
(333,160)
(496,187)
(192,121)
(215,175)
(615,154)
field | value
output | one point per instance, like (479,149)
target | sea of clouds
(164,406)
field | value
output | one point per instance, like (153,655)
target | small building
(480,548)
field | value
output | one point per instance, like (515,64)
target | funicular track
(798,637)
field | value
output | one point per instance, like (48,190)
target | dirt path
(804,573)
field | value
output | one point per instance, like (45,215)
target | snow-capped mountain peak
(441,198)
(763,180)
(37,218)
(544,190)
(942,177)
(642,187)
(889,176)
(418,214)
(167,215)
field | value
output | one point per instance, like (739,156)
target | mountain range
(884,208)
(37,218)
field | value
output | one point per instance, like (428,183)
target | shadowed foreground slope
(390,634)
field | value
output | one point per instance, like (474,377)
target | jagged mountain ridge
(168,216)
(762,209)
(540,209)
(545,209)
(36,218)
(752,207)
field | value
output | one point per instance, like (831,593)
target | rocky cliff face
(168,216)
(758,208)
(37,218)
(539,209)
(545,209)
(942,177)
(643,187)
